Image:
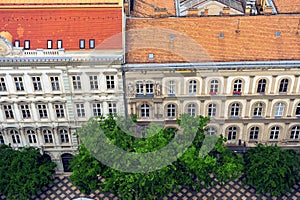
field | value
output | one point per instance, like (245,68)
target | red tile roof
(68,25)
(199,39)
(145,8)
(287,6)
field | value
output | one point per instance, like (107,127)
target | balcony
(236,93)
(213,93)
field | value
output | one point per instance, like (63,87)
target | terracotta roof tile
(246,38)
(68,25)
(287,6)
(145,8)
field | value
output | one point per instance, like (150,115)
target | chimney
(268,10)
(248,10)
(226,11)
(160,12)
(206,12)
(126,8)
(193,12)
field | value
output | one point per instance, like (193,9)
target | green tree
(23,172)
(271,169)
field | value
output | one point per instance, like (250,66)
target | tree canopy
(23,172)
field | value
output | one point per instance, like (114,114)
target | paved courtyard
(62,189)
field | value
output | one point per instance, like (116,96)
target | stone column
(296,84)
(222,109)
(248,109)
(273,84)
(225,85)
(290,108)
(269,108)
(203,85)
(250,85)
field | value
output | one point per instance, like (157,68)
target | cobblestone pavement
(62,189)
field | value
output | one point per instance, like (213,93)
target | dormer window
(49,44)
(27,44)
(59,44)
(92,43)
(82,44)
(17,43)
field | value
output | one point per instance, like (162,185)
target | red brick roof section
(104,25)
(202,39)
(287,6)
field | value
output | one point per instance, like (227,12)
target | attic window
(92,43)
(17,43)
(59,44)
(27,44)
(221,35)
(49,44)
(81,43)
(202,13)
(151,56)
(278,33)
(172,36)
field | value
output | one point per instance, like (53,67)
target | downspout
(123,62)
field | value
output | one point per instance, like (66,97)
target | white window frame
(8,111)
(171,87)
(94,82)
(295,133)
(32,137)
(97,109)
(191,109)
(284,85)
(110,82)
(59,110)
(19,84)
(25,111)
(42,110)
(64,136)
(261,86)
(145,110)
(80,109)
(235,110)
(139,87)
(237,85)
(258,109)
(253,134)
(212,110)
(49,44)
(232,132)
(112,108)
(274,133)
(3,87)
(279,109)
(37,83)
(55,86)
(214,86)
(171,110)
(192,87)
(48,136)
(59,44)
(15,136)
(76,82)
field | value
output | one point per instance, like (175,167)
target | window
(8,111)
(191,109)
(49,44)
(211,130)
(214,84)
(274,133)
(31,136)
(235,109)
(1,138)
(258,109)
(15,136)
(232,133)
(42,109)
(59,110)
(261,87)
(110,82)
(298,110)
(149,87)
(17,43)
(54,83)
(283,87)
(97,109)
(254,131)
(76,82)
(2,84)
(19,83)
(237,86)
(82,44)
(279,109)
(48,137)
(26,44)
(139,87)
(151,56)
(92,43)
(59,44)
(112,108)
(192,87)
(80,110)
(37,84)
(212,110)
(171,87)
(295,132)
(94,82)
(25,110)
(64,136)
(145,110)
(221,35)
(171,110)
(277,33)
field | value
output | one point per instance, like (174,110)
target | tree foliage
(271,169)
(23,172)
(203,157)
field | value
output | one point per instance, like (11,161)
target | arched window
(171,110)
(237,86)
(258,109)
(64,136)
(298,110)
(48,137)
(1,138)
(232,133)
(15,136)
(192,87)
(31,136)
(261,87)
(211,130)
(279,109)
(295,132)
(214,86)
(274,134)
(283,87)
(254,131)
(145,110)
(212,110)
(235,110)
(191,109)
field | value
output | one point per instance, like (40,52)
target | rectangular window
(112,108)
(110,83)
(149,87)
(37,84)
(139,87)
(17,43)
(49,44)
(76,82)
(8,111)
(82,44)
(92,43)
(97,109)
(94,82)
(80,110)
(54,83)
(42,109)
(25,110)
(19,83)
(2,84)
(59,44)
(27,44)
(59,110)
(171,88)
